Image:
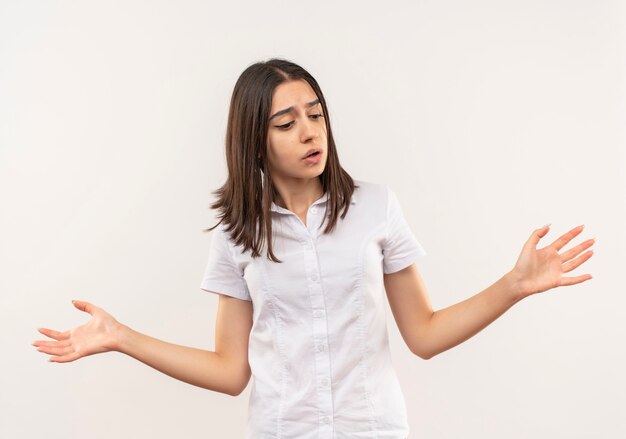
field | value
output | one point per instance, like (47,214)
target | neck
(298,196)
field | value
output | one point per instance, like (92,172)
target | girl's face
(296,126)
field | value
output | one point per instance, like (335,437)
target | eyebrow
(290,109)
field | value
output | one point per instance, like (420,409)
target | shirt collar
(276,208)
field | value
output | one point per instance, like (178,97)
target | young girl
(302,257)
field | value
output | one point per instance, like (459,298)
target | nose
(310,130)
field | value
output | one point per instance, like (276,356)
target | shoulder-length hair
(244,200)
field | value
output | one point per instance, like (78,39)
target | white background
(488,119)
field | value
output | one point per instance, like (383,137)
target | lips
(311,152)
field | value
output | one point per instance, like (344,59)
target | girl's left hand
(538,270)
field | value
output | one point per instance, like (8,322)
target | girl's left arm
(429,333)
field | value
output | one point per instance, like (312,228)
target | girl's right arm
(225,371)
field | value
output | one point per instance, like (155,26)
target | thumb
(537,235)
(84,306)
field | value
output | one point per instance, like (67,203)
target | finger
(61,343)
(537,235)
(575,280)
(54,334)
(569,266)
(567,237)
(572,253)
(84,306)
(56,351)
(64,358)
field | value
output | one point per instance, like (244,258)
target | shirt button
(321,347)
(324,381)
(314,277)
(318,313)
(314,209)
(325,419)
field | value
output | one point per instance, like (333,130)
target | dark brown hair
(245,199)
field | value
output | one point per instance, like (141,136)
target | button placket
(320,334)
(312,220)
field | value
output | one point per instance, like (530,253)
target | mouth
(315,152)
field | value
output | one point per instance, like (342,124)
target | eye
(285,126)
(288,125)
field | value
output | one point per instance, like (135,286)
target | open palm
(95,336)
(538,270)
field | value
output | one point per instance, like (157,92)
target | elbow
(239,389)
(239,386)
(423,353)
(233,391)
(426,356)
(223,389)
(236,392)
(422,342)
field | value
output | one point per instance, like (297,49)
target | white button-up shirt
(318,348)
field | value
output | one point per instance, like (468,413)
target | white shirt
(318,348)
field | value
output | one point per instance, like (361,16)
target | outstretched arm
(429,333)
(227,372)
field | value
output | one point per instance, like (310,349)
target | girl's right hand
(100,334)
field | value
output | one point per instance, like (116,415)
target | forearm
(194,366)
(451,326)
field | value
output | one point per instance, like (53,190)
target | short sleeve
(400,248)
(222,275)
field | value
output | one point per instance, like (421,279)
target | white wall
(488,118)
